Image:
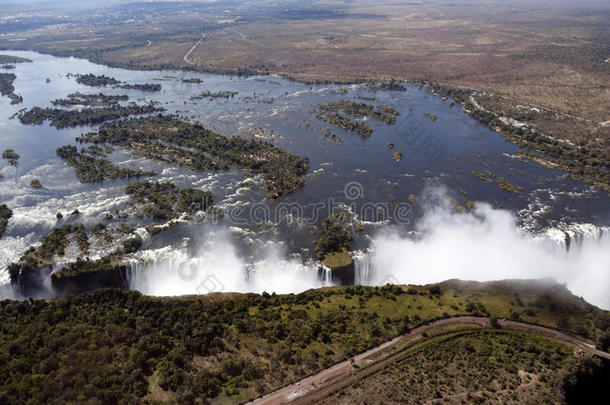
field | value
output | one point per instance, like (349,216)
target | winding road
(346,370)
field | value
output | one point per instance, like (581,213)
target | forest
(112,346)
(85,116)
(96,81)
(169,139)
(163,201)
(7,88)
(11,60)
(5,214)
(346,123)
(335,236)
(103,81)
(90,169)
(89,100)
(11,156)
(361,110)
(484,367)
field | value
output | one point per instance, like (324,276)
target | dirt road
(346,369)
(186,56)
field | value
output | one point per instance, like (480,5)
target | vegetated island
(90,168)
(5,214)
(169,139)
(334,242)
(11,156)
(346,123)
(52,245)
(330,113)
(163,201)
(7,88)
(103,81)
(89,100)
(85,116)
(214,95)
(153,200)
(111,345)
(12,60)
(385,86)
(360,110)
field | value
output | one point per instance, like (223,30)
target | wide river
(410,231)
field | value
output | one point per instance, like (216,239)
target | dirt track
(346,369)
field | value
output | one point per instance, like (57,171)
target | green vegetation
(171,140)
(214,95)
(52,244)
(385,86)
(341,121)
(397,156)
(82,240)
(132,245)
(485,176)
(8,59)
(90,100)
(360,110)
(505,185)
(334,238)
(89,169)
(11,156)
(335,260)
(121,347)
(191,200)
(141,87)
(96,81)
(7,88)
(163,201)
(6,83)
(84,266)
(103,81)
(502,183)
(86,116)
(35,183)
(157,199)
(5,214)
(587,162)
(483,366)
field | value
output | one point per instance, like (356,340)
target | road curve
(312,383)
(186,56)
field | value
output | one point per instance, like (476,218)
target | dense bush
(85,116)
(335,237)
(89,169)
(172,140)
(5,214)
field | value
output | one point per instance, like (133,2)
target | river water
(261,245)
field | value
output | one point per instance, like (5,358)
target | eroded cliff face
(342,275)
(43,282)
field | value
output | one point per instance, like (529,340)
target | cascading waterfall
(488,245)
(218,268)
(327,275)
(362,268)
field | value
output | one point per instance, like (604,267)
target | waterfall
(218,268)
(327,275)
(362,268)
